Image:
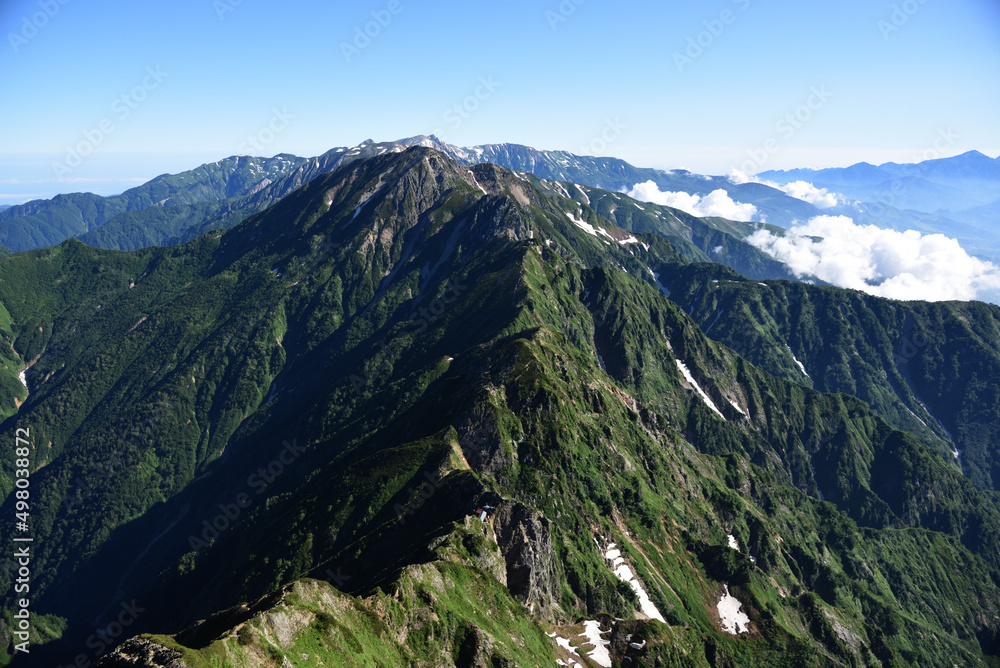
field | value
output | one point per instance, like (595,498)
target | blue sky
(152,87)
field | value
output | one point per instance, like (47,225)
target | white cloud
(803,190)
(716,203)
(737,177)
(899,265)
(819,197)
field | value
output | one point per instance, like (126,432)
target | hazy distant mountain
(42,223)
(957,196)
(942,185)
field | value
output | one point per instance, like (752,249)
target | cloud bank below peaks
(898,265)
(716,203)
(803,190)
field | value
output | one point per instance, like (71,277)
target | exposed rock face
(525,539)
(481,443)
(476,651)
(142,653)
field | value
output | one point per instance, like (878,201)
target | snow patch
(737,407)
(801,368)
(600,654)
(624,573)
(476,183)
(733,620)
(733,543)
(913,414)
(630,240)
(23,377)
(689,378)
(586,227)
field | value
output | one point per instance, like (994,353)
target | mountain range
(172,209)
(400,406)
(959,195)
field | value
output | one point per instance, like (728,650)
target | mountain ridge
(407,339)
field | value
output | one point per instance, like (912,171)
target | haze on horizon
(162,87)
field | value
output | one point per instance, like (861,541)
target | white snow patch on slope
(733,620)
(689,378)
(600,654)
(733,543)
(624,573)
(737,407)
(801,368)
(630,240)
(476,183)
(586,227)
(22,376)
(912,413)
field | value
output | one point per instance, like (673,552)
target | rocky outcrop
(476,651)
(142,653)
(481,441)
(525,540)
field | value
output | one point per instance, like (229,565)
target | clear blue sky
(226,67)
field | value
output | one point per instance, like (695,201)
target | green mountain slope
(271,441)
(42,223)
(928,368)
